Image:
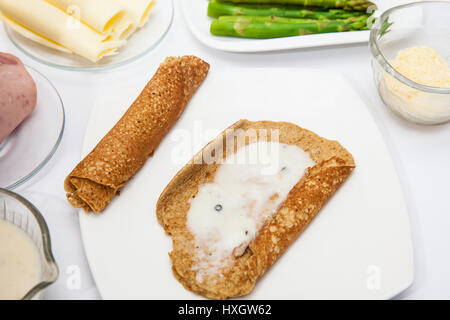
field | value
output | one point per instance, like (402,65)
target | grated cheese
(425,66)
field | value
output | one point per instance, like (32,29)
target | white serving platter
(359,246)
(195,12)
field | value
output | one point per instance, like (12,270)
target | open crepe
(332,165)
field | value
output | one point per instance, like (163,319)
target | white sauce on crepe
(225,216)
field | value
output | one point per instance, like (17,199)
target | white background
(421,154)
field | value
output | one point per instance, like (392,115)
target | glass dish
(20,212)
(140,43)
(402,27)
(31,145)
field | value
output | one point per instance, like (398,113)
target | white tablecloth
(421,154)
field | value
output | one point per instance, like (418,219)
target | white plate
(359,246)
(140,43)
(195,12)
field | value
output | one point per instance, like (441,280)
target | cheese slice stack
(92,29)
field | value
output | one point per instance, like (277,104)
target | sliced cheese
(101,15)
(138,9)
(49,22)
(27,33)
(125,27)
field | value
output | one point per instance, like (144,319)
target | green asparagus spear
(354,5)
(262,19)
(216,9)
(359,23)
(278,30)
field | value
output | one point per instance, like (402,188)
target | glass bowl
(17,210)
(31,145)
(140,43)
(407,26)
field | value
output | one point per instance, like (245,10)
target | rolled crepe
(138,9)
(48,22)
(101,15)
(127,146)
